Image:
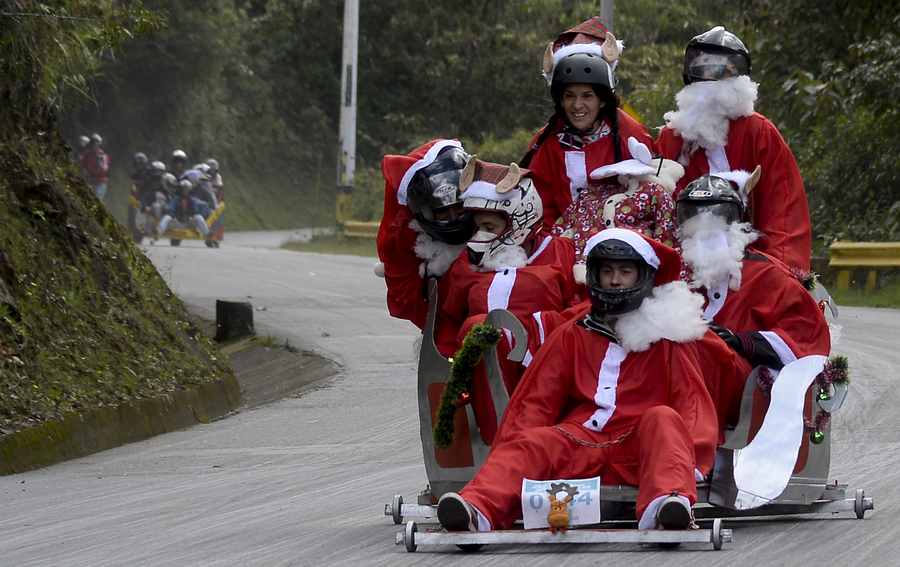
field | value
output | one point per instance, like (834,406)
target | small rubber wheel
(175,242)
(717,534)
(396,506)
(859,507)
(410,539)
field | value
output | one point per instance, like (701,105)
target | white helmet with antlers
(505,190)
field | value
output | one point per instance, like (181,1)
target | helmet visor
(705,65)
(685,210)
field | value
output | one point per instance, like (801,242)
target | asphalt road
(304,481)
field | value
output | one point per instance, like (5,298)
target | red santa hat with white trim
(664,259)
(398,171)
(591,37)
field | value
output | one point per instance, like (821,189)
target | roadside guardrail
(870,255)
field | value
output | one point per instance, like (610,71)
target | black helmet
(715,54)
(435,187)
(710,194)
(140,160)
(582,68)
(622,300)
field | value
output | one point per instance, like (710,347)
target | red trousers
(657,456)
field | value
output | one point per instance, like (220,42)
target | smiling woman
(588,130)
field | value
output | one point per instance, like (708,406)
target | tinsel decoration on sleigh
(459,386)
(836,372)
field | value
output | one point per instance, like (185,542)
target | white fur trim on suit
(576,171)
(607,382)
(672,312)
(782,349)
(501,288)
(429,158)
(629,237)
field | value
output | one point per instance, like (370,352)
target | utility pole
(347,150)
(607,12)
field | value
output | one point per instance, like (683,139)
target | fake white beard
(671,312)
(437,255)
(507,257)
(705,109)
(713,250)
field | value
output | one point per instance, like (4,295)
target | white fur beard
(437,255)
(713,250)
(705,109)
(671,312)
(507,257)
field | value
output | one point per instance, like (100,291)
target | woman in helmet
(587,129)
(511,263)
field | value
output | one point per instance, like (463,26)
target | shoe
(673,514)
(455,514)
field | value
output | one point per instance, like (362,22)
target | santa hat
(489,181)
(591,37)
(398,171)
(664,259)
(639,164)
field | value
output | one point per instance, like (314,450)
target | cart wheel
(174,242)
(717,534)
(396,506)
(410,538)
(860,507)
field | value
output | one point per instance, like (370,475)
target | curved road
(304,481)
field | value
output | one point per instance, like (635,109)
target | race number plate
(584,508)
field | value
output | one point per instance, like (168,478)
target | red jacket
(97,166)
(777,206)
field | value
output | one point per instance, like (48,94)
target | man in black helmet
(423,230)
(753,301)
(617,393)
(715,130)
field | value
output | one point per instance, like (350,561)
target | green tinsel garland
(479,338)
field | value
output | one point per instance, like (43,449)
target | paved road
(304,481)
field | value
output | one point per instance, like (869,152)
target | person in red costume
(715,130)
(511,263)
(423,230)
(616,393)
(588,129)
(753,301)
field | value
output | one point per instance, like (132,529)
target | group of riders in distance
(176,204)
(654,278)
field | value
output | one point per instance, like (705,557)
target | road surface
(304,481)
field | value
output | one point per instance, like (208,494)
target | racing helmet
(621,300)
(179,155)
(213,164)
(582,68)
(710,194)
(83,142)
(139,160)
(435,187)
(185,184)
(715,54)
(158,166)
(524,212)
(169,182)
(96,139)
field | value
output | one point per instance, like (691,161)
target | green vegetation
(886,296)
(335,244)
(85,319)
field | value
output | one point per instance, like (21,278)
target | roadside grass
(335,244)
(887,296)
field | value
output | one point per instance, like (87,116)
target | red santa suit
(778,319)
(408,256)
(561,165)
(545,283)
(777,206)
(632,408)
